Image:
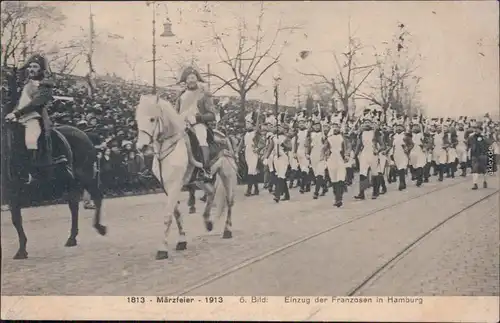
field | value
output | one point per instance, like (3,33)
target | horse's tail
(84,152)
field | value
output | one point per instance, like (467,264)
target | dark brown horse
(54,180)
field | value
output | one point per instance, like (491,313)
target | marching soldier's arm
(296,145)
(408,142)
(41,98)
(380,140)
(359,142)
(343,149)
(240,145)
(308,143)
(270,147)
(206,108)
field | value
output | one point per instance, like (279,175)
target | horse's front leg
(192,200)
(229,181)
(17,220)
(73,203)
(209,191)
(172,185)
(182,243)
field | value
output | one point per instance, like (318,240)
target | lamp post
(167,32)
(277,79)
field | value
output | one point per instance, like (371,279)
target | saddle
(54,150)
(197,154)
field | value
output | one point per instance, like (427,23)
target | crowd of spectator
(106,113)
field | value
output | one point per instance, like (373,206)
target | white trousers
(33,132)
(368,161)
(201,133)
(336,168)
(462,153)
(251,158)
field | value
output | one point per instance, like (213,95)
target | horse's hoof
(21,254)
(101,229)
(160,255)
(71,242)
(192,210)
(181,245)
(209,225)
(227,234)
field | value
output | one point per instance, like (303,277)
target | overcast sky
(458,42)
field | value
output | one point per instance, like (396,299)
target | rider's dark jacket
(40,99)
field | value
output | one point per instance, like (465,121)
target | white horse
(162,128)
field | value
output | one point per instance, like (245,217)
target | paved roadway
(274,250)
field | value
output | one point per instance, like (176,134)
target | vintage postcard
(250,160)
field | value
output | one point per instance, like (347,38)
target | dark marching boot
(420,176)
(413,173)
(349,176)
(249,185)
(440,169)
(453,167)
(319,183)
(435,168)
(292,178)
(266,177)
(303,182)
(338,192)
(375,187)
(325,185)
(255,185)
(427,172)
(278,190)
(362,185)
(447,170)
(272,182)
(308,181)
(382,184)
(402,179)
(286,192)
(463,167)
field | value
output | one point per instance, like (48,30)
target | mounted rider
(197,108)
(31,112)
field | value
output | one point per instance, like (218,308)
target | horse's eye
(152,120)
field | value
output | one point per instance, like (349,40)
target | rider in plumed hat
(196,106)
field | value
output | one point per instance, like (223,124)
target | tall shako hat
(190,70)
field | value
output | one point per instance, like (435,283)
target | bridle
(158,136)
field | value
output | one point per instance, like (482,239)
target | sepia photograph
(254,149)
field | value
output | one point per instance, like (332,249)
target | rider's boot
(206,163)
(30,174)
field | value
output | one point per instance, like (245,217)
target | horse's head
(148,117)
(156,119)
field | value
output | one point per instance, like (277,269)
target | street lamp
(167,32)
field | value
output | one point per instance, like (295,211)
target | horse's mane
(152,104)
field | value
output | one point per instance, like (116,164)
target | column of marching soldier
(324,152)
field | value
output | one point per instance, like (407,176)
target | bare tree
(21,27)
(344,84)
(252,58)
(64,58)
(396,84)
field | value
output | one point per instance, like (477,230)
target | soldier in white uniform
(278,152)
(440,151)
(401,146)
(250,143)
(301,146)
(336,160)
(317,156)
(367,154)
(417,156)
(461,147)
